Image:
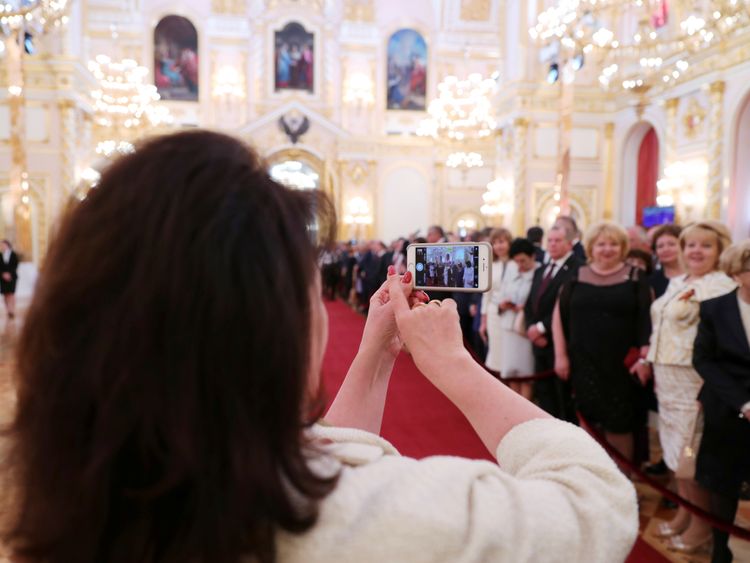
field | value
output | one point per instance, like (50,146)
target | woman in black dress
(721,356)
(601,315)
(8,277)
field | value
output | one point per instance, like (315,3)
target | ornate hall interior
(625,109)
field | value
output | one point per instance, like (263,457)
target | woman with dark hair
(666,247)
(8,277)
(174,420)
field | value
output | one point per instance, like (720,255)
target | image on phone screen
(447,266)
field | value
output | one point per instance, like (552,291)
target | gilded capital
(671,105)
(520,123)
(718,87)
(609,130)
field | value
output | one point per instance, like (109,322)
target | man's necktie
(543,286)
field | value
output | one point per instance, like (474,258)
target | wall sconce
(686,179)
(465,225)
(228,83)
(498,199)
(358,212)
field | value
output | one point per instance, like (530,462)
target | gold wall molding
(475,10)
(520,150)
(670,143)
(228,7)
(359,10)
(693,120)
(609,171)
(716,149)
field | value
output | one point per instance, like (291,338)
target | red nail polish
(407,277)
(391,270)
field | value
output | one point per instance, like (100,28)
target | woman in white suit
(675,316)
(518,357)
(490,329)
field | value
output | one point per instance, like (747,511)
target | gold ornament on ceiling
(475,10)
(694,119)
(665,44)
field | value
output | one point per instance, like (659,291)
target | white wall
(403,204)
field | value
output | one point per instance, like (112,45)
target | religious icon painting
(407,71)
(294,52)
(176,59)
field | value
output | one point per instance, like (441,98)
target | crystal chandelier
(462,112)
(124,107)
(464,160)
(33,17)
(656,52)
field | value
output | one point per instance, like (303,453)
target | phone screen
(447,266)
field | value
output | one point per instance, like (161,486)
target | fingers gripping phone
(451,266)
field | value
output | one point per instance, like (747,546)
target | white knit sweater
(558,497)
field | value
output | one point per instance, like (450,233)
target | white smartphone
(451,266)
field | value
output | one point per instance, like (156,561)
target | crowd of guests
(623,321)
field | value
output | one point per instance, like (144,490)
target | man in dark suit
(552,394)
(721,356)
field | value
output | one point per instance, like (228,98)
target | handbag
(689,454)
(632,357)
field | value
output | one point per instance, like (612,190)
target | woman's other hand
(642,370)
(562,367)
(483,329)
(380,329)
(431,332)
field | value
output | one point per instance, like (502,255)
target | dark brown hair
(163,365)
(667,229)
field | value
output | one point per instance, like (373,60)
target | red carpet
(418,419)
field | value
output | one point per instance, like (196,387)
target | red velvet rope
(731,529)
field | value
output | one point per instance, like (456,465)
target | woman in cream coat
(200,446)
(675,317)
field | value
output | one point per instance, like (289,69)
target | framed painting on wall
(407,70)
(294,54)
(176,59)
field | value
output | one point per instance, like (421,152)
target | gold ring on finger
(435,301)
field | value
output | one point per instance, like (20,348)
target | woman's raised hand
(380,329)
(431,331)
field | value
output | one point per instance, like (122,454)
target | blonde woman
(490,329)
(675,317)
(603,313)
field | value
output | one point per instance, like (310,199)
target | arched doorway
(640,172)
(738,213)
(648,174)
